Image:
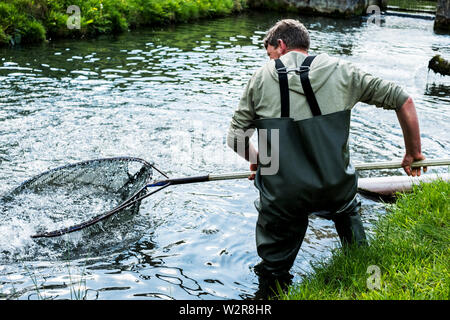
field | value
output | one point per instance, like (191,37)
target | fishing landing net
(75,196)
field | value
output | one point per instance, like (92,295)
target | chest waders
(315,175)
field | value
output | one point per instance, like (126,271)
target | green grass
(34,21)
(413,5)
(409,247)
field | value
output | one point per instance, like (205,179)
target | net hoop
(30,181)
(53,174)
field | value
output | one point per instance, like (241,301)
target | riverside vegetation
(35,21)
(407,257)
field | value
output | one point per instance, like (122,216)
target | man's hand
(408,160)
(253,168)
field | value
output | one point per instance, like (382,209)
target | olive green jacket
(337,84)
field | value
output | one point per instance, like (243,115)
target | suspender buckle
(283,70)
(301,69)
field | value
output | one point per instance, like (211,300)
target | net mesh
(120,176)
(75,193)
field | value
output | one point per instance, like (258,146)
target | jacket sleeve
(372,90)
(241,127)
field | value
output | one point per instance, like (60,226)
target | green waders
(315,176)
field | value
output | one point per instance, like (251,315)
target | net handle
(209,177)
(396,164)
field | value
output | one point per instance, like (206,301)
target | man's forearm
(241,145)
(407,117)
(251,154)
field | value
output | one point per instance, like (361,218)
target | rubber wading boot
(350,230)
(271,284)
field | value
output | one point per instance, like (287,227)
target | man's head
(286,35)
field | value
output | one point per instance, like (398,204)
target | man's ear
(282,46)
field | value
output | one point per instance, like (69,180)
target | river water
(166,95)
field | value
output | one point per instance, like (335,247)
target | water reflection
(438,91)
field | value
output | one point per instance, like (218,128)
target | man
(301,105)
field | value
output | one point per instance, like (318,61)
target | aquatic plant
(439,65)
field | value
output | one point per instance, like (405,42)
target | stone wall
(321,7)
(442,22)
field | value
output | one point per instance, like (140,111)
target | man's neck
(298,50)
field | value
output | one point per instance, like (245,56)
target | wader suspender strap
(304,78)
(284,87)
(306,84)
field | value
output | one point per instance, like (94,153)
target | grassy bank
(408,256)
(413,5)
(35,21)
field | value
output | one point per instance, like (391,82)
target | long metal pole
(398,164)
(358,166)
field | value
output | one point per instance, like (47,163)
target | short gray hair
(292,32)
